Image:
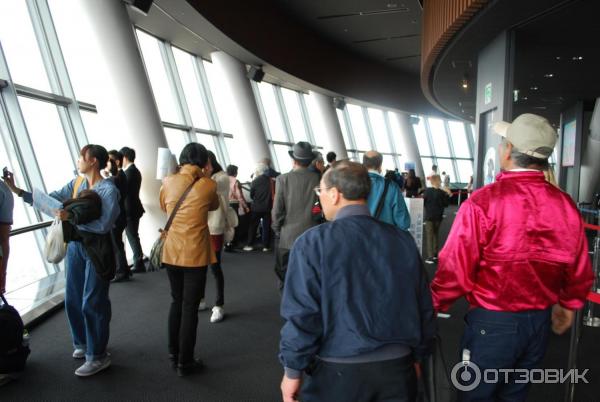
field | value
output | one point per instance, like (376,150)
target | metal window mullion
(470,141)
(176,87)
(210,108)
(261,109)
(306,119)
(19,144)
(349,129)
(388,129)
(283,113)
(367,121)
(429,139)
(71,119)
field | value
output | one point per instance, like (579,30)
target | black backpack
(13,352)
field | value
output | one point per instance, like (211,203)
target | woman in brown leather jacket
(187,250)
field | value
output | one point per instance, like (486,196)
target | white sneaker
(429,261)
(93,367)
(248,248)
(79,353)
(202,305)
(217,314)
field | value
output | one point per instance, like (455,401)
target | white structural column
(251,128)
(329,128)
(127,112)
(409,141)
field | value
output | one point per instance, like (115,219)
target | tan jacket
(188,242)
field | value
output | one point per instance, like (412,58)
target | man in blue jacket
(393,209)
(356,303)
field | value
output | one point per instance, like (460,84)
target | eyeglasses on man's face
(318,190)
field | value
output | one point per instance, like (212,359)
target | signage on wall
(487,93)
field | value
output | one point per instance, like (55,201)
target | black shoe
(121,277)
(173,359)
(189,368)
(139,270)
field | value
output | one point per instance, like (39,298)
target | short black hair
(215,164)
(128,153)
(95,151)
(114,154)
(373,162)
(331,157)
(525,161)
(350,178)
(193,154)
(232,170)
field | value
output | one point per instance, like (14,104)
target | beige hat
(530,134)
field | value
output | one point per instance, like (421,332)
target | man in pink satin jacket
(518,252)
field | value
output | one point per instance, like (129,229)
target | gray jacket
(294,198)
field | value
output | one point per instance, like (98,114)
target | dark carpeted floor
(240,353)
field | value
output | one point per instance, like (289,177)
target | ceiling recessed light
(557,57)
(577,58)
(534,88)
(549,75)
(524,98)
(392,5)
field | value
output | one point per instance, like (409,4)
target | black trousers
(133,238)
(282,255)
(255,218)
(217,273)
(119,247)
(187,288)
(386,381)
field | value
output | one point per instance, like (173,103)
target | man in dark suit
(133,208)
(113,167)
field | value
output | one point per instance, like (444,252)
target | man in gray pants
(294,198)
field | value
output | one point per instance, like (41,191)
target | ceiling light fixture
(549,75)
(534,88)
(465,82)
(577,58)
(558,57)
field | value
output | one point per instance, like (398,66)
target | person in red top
(517,251)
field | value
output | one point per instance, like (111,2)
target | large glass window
(459,139)
(159,80)
(49,142)
(344,128)
(272,114)
(421,136)
(223,99)
(283,157)
(238,156)
(176,139)
(396,133)
(445,165)
(294,115)
(380,134)
(465,170)
(439,137)
(21,47)
(75,35)
(359,128)
(191,88)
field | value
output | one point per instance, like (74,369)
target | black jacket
(133,205)
(99,247)
(120,181)
(260,192)
(435,200)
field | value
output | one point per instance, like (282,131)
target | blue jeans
(87,303)
(504,340)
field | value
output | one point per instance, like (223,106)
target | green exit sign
(487,94)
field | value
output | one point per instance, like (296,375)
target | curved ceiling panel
(276,36)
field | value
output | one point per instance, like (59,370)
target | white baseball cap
(530,134)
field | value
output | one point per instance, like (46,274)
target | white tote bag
(56,248)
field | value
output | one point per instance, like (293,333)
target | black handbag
(157,247)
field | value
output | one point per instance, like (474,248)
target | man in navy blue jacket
(356,303)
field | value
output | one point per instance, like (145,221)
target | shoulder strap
(382,199)
(78,182)
(179,202)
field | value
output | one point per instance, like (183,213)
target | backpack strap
(78,182)
(382,199)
